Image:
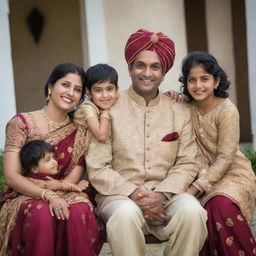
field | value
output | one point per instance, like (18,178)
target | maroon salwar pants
(37,233)
(228,231)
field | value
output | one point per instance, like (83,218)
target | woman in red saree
(27,226)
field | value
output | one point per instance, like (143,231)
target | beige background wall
(125,17)
(220,37)
(60,42)
(61,39)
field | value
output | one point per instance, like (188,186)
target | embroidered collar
(140,100)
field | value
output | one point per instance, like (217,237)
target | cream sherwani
(135,156)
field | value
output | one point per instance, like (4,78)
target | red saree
(26,227)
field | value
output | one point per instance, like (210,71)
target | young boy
(102,91)
(38,161)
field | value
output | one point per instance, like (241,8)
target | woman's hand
(59,207)
(175,96)
(53,184)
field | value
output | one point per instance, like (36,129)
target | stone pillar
(93,26)
(251,51)
(7,91)
(219,25)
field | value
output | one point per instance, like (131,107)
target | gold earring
(49,95)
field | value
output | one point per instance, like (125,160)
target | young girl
(38,162)
(102,90)
(226,182)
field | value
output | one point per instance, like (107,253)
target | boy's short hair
(100,73)
(32,152)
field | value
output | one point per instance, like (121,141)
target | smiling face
(47,164)
(201,84)
(146,74)
(103,95)
(66,92)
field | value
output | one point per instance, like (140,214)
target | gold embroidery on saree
(229,240)
(16,132)
(8,216)
(81,144)
(240,217)
(241,253)
(229,222)
(218,226)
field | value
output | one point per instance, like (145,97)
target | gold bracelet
(52,195)
(66,186)
(43,194)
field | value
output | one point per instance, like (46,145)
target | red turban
(142,40)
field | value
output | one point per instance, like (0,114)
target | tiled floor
(151,250)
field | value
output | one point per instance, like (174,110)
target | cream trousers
(185,230)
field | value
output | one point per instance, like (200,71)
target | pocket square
(171,137)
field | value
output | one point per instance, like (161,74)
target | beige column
(93,32)
(7,102)
(250,6)
(220,39)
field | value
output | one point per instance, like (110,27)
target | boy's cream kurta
(135,155)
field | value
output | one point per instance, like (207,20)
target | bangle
(66,186)
(53,195)
(43,194)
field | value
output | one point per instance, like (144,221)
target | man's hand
(151,204)
(155,215)
(192,190)
(175,96)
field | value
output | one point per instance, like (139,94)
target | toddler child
(39,166)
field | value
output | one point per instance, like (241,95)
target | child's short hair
(32,152)
(100,73)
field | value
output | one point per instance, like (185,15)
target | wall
(125,17)
(220,39)
(60,42)
(7,103)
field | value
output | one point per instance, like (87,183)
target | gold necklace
(55,124)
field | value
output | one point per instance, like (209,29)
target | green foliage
(1,172)
(250,153)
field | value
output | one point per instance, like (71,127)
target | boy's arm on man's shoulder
(101,175)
